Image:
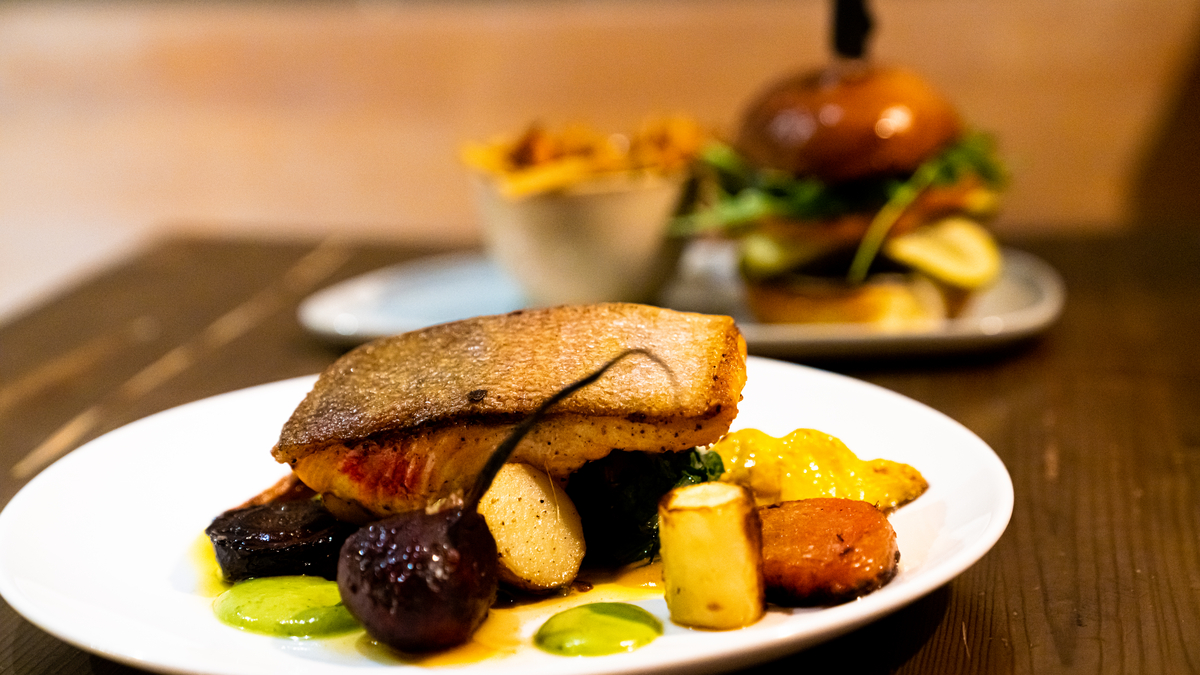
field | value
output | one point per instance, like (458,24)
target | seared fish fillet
(404,421)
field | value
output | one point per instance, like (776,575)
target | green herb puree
(299,607)
(597,629)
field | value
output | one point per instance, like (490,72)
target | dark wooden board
(1098,422)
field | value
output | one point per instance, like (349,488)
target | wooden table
(1098,422)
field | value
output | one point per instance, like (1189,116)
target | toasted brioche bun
(847,122)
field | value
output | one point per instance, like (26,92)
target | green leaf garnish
(736,196)
(974,153)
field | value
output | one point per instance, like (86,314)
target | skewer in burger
(857,195)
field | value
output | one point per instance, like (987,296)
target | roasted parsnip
(711,541)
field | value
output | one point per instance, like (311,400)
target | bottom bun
(889,303)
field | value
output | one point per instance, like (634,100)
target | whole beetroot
(421,581)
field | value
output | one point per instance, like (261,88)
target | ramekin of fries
(578,216)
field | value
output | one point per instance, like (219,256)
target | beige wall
(320,117)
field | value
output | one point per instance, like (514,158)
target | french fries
(711,546)
(543,161)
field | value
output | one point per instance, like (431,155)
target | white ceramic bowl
(604,240)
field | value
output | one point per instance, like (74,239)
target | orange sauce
(808,463)
(509,629)
(209,583)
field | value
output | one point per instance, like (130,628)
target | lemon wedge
(956,251)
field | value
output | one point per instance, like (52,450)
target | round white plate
(1026,300)
(96,549)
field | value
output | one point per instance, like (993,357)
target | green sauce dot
(597,629)
(301,607)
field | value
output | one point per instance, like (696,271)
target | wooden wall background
(312,117)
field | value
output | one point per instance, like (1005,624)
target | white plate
(96,549)
(1026,300)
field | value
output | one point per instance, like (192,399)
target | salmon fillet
(405,421)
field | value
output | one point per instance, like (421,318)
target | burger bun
(887,303)
(846,122)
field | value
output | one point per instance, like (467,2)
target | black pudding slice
(272,540)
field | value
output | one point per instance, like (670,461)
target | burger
(856,194)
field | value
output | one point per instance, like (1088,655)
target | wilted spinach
(617,498)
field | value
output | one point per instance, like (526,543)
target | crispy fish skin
(404,421)
(825,550)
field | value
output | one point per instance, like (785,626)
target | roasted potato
(712,556)
(824,551)
(538,533)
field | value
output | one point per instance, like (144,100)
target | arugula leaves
(733,195)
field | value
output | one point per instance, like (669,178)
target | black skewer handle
(851,28)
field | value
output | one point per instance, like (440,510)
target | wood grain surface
(316,116)
(1098,422)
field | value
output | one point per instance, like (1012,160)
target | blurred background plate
(1026,300)
(408,296)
